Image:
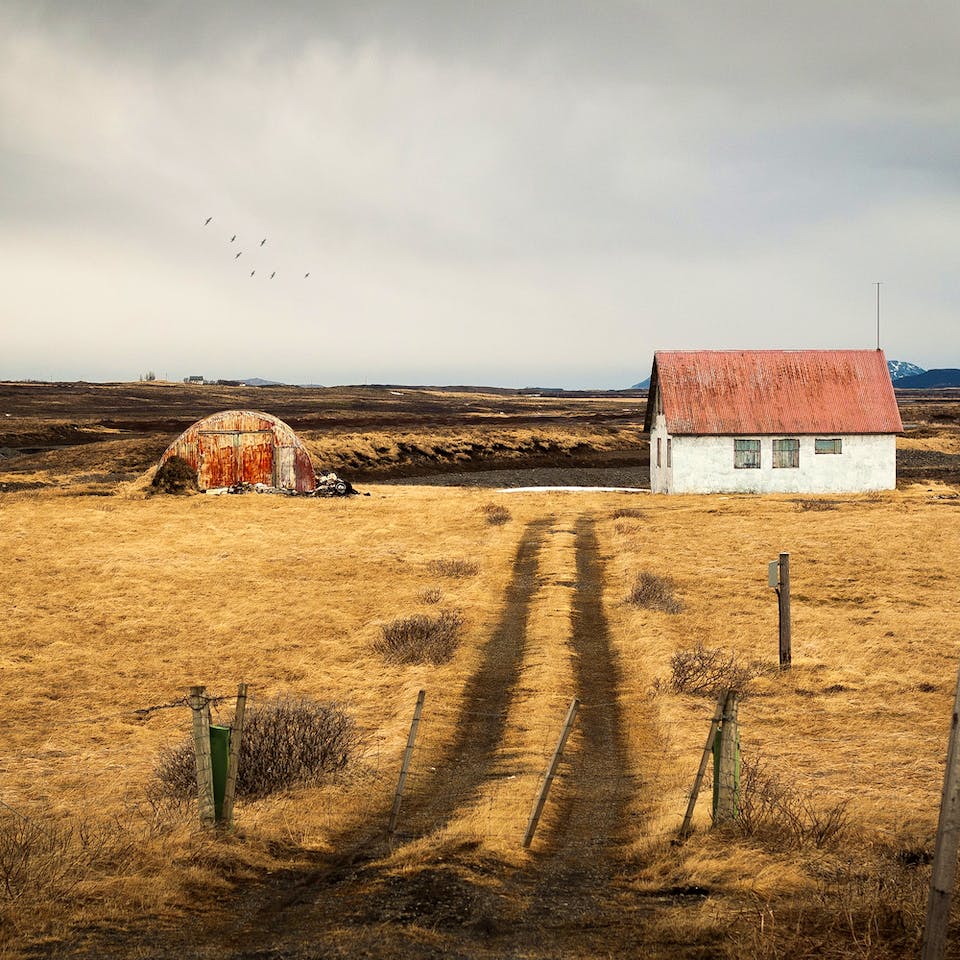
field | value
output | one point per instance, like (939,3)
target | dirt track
(572,899)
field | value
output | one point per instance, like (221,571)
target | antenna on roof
(877,285)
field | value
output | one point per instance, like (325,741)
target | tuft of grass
(286,742)
(455,568)
(655,593)
(496,514)
(430,595)
(420,638)
(624,513)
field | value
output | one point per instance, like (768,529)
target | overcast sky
(508,193)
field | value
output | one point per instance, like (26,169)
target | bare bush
(175,475)
(286,742)
(774,811)
(655,593)
(816,505)
(420,638)
(707,672)
(455,568)
(48,857)
(624,513)
(431,595)
(496,515)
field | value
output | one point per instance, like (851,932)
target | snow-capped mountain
(900,368)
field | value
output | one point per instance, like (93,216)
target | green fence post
(219,755)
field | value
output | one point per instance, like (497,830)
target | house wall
(705,465)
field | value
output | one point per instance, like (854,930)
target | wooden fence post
(727,768)
(405,766)
(233,764)
(551,773)
(201,747)
(704,760)
(945,852)
(783,605)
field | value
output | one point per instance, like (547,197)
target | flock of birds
(239,253)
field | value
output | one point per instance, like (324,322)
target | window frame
(754,448)
(778,451)
(836,442)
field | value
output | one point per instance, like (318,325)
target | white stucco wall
(705,465)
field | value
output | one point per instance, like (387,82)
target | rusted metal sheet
(730,392)
(244,446)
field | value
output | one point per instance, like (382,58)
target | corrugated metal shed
(244,446)
(728,392)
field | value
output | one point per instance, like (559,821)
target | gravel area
(535,477)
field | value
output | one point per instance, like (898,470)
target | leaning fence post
(945,851)
(200,708)
(550,774)
(233,763)
(405,766)
(726,783)
(704,760)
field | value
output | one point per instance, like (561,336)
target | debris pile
(328,485)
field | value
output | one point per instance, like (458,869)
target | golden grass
(117,605)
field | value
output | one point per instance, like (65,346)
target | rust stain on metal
(709,392)
(244,446)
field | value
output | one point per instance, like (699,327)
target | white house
(772,421)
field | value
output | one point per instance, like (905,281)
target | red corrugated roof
(708,392)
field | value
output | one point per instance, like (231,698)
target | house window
(669,454)
(786,453)
(746,454)
(828,446)
(659,442)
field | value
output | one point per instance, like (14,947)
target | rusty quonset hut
(244,446)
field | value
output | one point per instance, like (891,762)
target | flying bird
(238,254)
(272,275)
(263,241)
(205,222)
(307,274)
(252,272)
(234,237)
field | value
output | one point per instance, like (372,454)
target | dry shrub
(455,568)
(870,907)
(45,858)
(175,475)
(816,504)
(420,639)
(776,812)
(496,515)
(624,513)
(287,742)
(430,595)
(706,672)
(655,593)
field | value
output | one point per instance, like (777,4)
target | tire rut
(486,698)
(436,798)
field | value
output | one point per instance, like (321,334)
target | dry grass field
(115,605)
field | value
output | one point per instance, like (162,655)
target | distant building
(196,379)
(772,421)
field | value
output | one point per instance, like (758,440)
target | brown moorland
(115,605)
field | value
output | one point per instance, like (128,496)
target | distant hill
(930,380)
(260,382)
(900,368)
(642,385)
